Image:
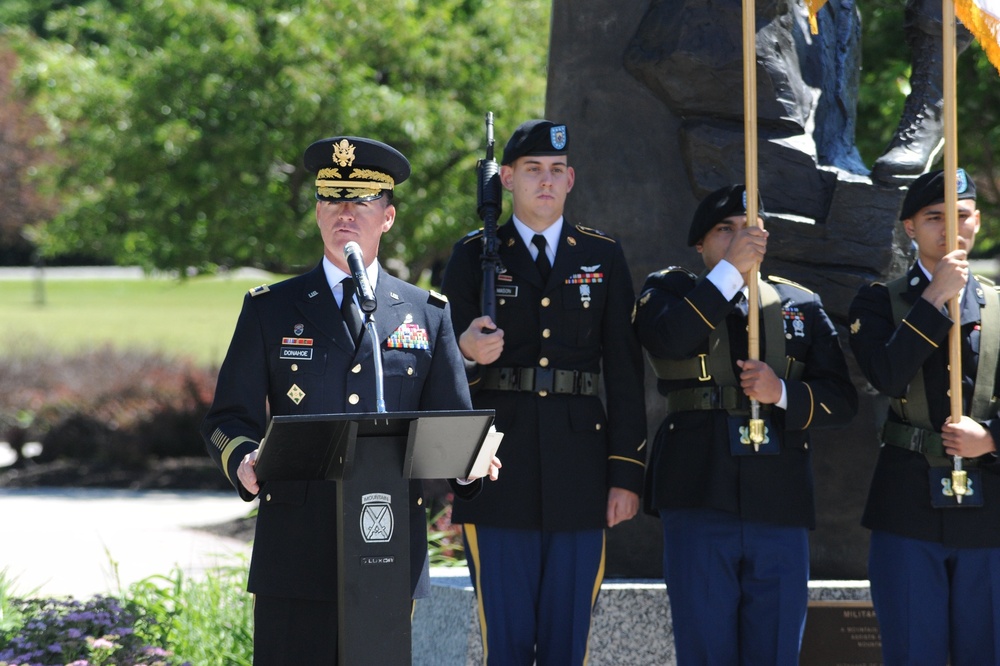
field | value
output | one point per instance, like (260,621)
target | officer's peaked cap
(351,168)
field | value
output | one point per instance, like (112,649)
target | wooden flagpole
(750,171)
(959,478)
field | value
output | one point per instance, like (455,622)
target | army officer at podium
(293,352)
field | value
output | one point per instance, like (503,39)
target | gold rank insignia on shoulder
(257,291)
(645,298)
(473,235)
(856,326)
(790,283)
(434,298)
(596,233)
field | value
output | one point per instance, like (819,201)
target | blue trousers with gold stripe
(738,590)
(932,601)
(536,591)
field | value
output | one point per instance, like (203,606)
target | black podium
(373,456)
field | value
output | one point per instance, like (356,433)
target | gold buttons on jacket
(409,371)
(546,301)
(295,367)
(543,393)
(356,369)
(420,501)
(546,333)
(544,362)
(267,498)
(354,399)
(597,427)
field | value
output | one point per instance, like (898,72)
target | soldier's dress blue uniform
(561,450)
(736,559)
(935,572)
(291,353)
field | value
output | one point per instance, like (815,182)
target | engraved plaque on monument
(841,633)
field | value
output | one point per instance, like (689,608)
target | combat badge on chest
(587,276)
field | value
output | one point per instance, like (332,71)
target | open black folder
(440,445)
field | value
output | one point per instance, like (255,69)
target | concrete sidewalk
(83,542)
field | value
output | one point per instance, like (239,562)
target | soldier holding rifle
(561,330)
(934,560)
(736,513)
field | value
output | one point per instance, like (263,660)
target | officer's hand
(949,278)
(759,382)
(494,474)
(748,247)
(622,505)
(483,348)
(967,438)
(247,474)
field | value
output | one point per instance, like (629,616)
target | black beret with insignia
(717,206)
(536,137)
(929,190)
(350,168)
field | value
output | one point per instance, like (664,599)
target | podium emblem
(376,517)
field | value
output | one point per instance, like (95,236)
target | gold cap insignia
(343,153)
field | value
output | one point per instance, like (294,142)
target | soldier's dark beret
(351,168)
(717,206)
(929,190)
(536,137)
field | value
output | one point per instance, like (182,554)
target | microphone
(356,262)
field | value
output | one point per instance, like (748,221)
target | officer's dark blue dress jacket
(295,553)
(561,452)
(890,356)
(692,465)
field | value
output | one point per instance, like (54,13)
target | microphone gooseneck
(356,262)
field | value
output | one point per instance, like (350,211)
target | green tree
(883,88)
(181,123)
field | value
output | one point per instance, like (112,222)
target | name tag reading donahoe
(297,353)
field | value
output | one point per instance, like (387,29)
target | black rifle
(489,199)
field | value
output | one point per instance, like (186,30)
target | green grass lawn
(192,318)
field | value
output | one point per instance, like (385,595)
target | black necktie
(351,315)
(542,260)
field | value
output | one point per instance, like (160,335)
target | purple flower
(55,647)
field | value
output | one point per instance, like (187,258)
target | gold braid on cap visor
(375,183)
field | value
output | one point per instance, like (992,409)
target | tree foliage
(21,205)
(883,88)
(176,127)
(181,123)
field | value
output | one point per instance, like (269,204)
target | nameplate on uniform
(297,353)
(507,291)
(943,494)
(740,443)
